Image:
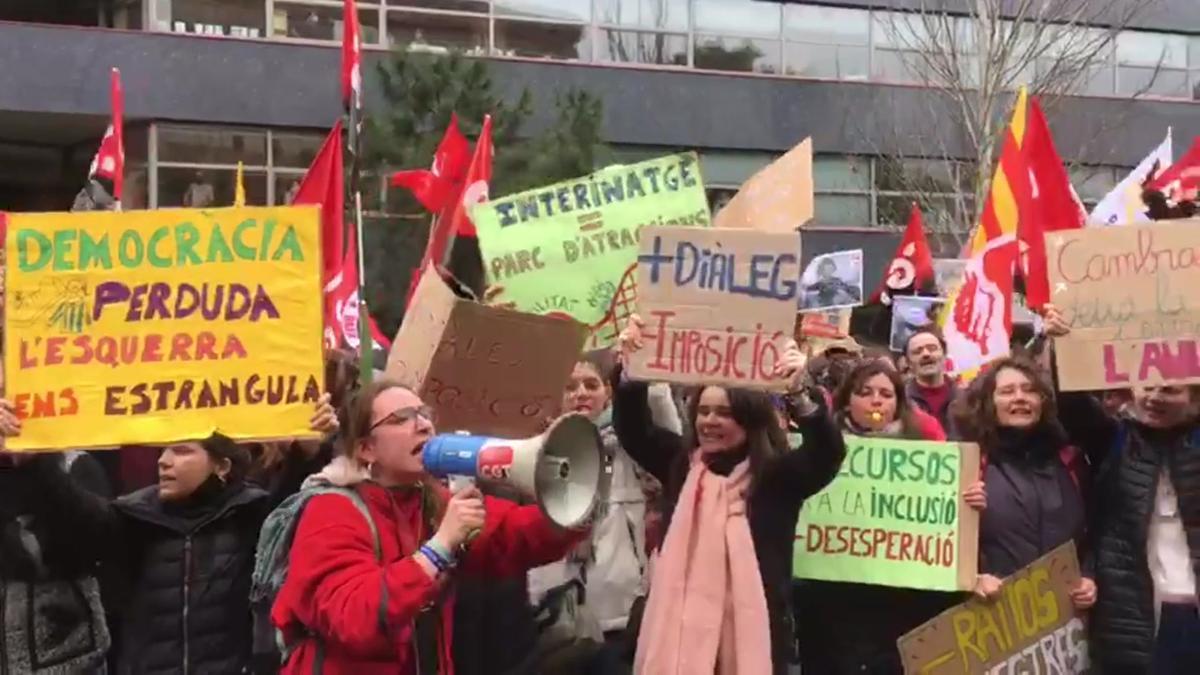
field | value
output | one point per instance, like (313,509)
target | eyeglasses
(404,416)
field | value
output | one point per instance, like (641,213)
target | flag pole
(366,341)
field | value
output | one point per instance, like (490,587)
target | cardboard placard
(894,516)
(154,327)
(779,198)
(719,305)
(1129,295)
(563,249)
(486,370)
(825,323)
(1031,628)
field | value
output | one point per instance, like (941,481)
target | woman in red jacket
(346,608)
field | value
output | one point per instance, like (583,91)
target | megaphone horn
(560,469)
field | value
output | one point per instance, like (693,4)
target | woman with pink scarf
(732,493)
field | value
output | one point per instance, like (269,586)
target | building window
(196,166)
(438,33)
(478,6)
(663,15)
(1152,63)
(567,42)
(842,187)
(575,11)
(826,42)
(624,46)
(230,18)
(742,54)
(306,20)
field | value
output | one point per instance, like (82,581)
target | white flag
(977,319)
(1124,203)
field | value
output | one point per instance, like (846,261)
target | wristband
(447,556)
(438,561)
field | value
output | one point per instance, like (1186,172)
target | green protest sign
(564,248)
(894,516)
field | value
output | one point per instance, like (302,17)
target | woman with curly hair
(1032,475)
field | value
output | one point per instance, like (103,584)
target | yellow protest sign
(148,327)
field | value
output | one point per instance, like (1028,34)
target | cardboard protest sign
(779,198)
(825,323)
(719,305)
(484,369)
(894,516)
(1031,628)
(147,327)
(562,249)
(1128,294)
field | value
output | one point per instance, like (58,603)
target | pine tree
(421,92)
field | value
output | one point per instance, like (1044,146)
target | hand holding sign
(630,339)
(792,366)
(1054,321)
(9,424)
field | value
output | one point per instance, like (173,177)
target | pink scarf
(706,612)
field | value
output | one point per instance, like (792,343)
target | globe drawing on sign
(624,304)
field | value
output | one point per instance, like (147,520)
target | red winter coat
(363,611)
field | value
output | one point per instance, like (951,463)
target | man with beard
(930,387)
(1146,524)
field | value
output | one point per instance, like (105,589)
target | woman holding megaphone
(364,597)
(733,494)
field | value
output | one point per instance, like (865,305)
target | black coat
(1130,457)
(774,501)
(188,574)
(1035,501)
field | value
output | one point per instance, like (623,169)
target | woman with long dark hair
(732,493)
(1032,475)
(849,628)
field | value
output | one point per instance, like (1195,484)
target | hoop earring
(371,469)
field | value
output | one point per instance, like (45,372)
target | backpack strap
(286,647)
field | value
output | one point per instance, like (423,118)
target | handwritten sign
(149,327)
(1128,294)
(562,249)
(484,369)
(719,305)
(894,516)
(778,198)
(1031,628)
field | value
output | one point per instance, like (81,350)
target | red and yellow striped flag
(977,319)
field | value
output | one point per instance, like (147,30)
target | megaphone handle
(456,483)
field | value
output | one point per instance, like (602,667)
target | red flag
(454,221)
(475,187)
(912,265)
(436,187)
(109,162)
(342,305)
(323,184)
(351,57)
(1181,182)
(1054,206)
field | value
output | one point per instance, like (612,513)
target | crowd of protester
(344,556)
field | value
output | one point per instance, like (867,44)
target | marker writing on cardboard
(768,275)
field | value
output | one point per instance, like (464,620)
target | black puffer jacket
(773,504)
(188,569)
(1130,457)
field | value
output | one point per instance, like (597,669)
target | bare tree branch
(977,58)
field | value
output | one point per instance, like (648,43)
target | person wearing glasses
(378,597)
